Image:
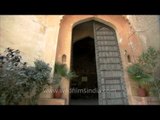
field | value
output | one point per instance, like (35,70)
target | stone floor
(84,102)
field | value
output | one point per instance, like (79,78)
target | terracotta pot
(57,93)
(142,92)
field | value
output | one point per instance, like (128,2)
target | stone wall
(147,27)
(34,36)
(21,32)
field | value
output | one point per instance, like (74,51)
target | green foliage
(155,88)
(143,70)
(137,74)
(62,71)
(19,83)
(38,78)
(149,59)
(155,85)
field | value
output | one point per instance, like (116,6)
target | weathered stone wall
(147,27)
(21,32)
(34,36)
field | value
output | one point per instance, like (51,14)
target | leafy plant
(137,74)
(155,85)
(155,88)
(143,70)
(11,77)
(62,71)
(38,76)
(149,59)
(19,82)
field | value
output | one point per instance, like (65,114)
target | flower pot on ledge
(57,93)
(142,92)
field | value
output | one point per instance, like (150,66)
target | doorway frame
(65,39)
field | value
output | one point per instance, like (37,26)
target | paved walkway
(84,102)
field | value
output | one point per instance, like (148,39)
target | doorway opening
(84,87)
(97,61)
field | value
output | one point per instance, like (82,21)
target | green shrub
(38,78)
(149,59)
(143,70)
(19,82)
(155,88)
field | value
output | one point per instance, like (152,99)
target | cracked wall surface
(35,36)
(147,27)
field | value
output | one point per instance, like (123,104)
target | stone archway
(125,38)
(109,70)
(84,87)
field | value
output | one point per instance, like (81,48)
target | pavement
(84,102)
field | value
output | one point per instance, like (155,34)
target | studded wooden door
(111,84)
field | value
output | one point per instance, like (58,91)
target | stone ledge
(49,101)
(145,100)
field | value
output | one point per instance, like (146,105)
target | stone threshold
(51,101)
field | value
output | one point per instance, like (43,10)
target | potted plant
(150,63)
(57,93)
(143,71)
(60,71)
(137,74)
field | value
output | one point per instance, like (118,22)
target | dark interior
(84,64)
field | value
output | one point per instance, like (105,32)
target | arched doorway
(84,87)
(104,73)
